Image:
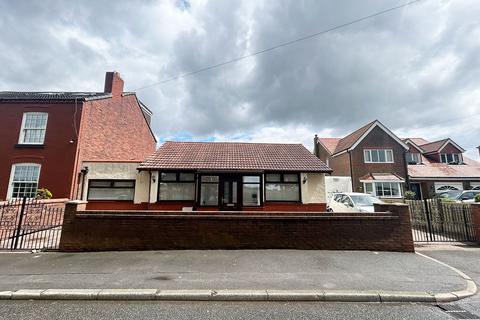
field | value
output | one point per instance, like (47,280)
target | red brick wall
(174,205)
(476,219)
(150,230)
(115,131)
(57,157)
(341,165)
(377,139)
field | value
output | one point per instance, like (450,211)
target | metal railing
(29,224)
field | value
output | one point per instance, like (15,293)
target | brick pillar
(476,219)
(404,233)
(71,208)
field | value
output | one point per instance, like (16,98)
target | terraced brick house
(372,156)
(48,140)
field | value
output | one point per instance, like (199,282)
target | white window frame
(416,157)
(374,189)
(12,174)
(457,155)
(21,139)
(367,155)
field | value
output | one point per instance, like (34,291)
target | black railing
(31,224)
(434,220)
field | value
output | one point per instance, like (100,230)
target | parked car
(352,202)
(466,196)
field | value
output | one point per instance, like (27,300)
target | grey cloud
(393,67)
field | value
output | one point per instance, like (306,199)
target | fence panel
(434,220)
(31,224)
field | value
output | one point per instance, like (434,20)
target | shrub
(43,193)
(477,198)
(410,195)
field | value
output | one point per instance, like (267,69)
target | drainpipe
(351,169)
(407,177)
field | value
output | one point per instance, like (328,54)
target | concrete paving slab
(295,295)
(70,294)
(406,296)
(352,296)
(26,294)
(127,294)
(181,295)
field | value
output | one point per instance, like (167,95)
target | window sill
(29,146)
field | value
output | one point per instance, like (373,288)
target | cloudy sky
(416,69)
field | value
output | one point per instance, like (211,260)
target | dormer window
(413,158)
(451,158)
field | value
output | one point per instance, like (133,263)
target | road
(465,258)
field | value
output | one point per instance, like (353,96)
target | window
(282,187)
(176,186)
(452,158)
(209,191)
(413,158)
(251,190)
(33,129)
(111,189)
(378,155)
(25,180)
(383,189)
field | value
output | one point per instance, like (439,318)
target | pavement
(219,275)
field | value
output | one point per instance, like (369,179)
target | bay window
(24,180)
(34,125)
(378,155)
(111,190)
(383,189)
(176,186)
(282,187)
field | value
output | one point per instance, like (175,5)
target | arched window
(447,188)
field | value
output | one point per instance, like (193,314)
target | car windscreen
(450,195)
(364,201)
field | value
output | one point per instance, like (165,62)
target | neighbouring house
(373,157)
(439,166)
(223,176)
(52,139)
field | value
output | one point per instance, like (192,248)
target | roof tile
(234,156)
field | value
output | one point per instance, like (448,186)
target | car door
(349,204)
(335,205)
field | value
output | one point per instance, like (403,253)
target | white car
(352,202)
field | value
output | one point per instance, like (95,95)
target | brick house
(225,176)
(48,137)
(440,166)
(372,156)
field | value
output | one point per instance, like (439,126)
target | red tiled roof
(433,146)
(348,141)
(234,156)
(417,141)
(330,143)
(429,169)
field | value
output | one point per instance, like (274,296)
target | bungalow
(220,176)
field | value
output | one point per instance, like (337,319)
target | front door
(230,192)
(415,187)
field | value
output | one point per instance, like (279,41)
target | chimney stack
(478,150)
(315,146)
(114,84)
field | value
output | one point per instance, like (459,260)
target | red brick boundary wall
(388,229)
(476,219)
